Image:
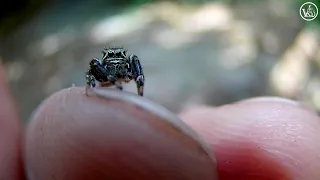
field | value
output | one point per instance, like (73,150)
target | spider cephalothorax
(115,52)
(114,68)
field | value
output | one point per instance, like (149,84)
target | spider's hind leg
(105,84)
(118,85)
(111,83)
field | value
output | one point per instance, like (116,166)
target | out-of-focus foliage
(195,51)
(15,13)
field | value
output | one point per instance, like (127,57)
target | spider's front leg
(96,72)
(137,73)
(91,82)
(103,75)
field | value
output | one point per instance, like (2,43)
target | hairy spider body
(114,69)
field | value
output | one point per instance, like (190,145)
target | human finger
(112,135)
(10,135)
(260,139)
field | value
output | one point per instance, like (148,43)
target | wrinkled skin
(260,138)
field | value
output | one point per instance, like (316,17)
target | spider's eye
(118,53)
(111,53)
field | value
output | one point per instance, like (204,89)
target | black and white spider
(114,68)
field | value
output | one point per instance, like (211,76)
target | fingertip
(257,139)
(111,135)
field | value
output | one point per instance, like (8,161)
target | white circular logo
(308,11)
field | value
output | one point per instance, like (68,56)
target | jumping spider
(114,68)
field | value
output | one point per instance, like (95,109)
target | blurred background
(193,51)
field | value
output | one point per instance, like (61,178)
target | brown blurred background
(193,52)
